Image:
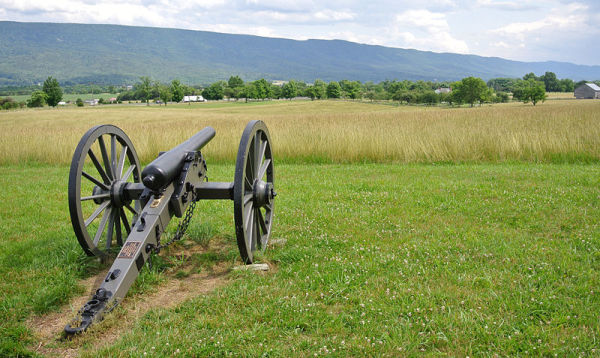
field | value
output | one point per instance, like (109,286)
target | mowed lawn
(377,259)
(399,231)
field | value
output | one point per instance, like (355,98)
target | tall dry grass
(324,131)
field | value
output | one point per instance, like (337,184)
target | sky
(523,30)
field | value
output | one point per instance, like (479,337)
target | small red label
(129,249)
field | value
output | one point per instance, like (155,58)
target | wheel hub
(263,193)
(117,195)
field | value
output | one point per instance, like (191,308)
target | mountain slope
(79,53)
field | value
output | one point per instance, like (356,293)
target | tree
(177,91)
(351,88)
(567,85)
(276,91)
(320,89)
(501,84)
(248,91)
(289,90)
(164,93)
(531,76)
(145,88)
(334,90)
(215,91)
(262,89)
(53,91)
(429,97)
(38,99)
(551,82)
(79,102)
(235,82)
(470,90)
(534,92)
(501,97)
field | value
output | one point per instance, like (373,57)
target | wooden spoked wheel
(253,190)
(102,165)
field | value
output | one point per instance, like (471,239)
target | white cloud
(570,17)
(510,5)
(422,19)
(330,15)
(323,16)
(423,29)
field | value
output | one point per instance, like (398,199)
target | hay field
(324,131)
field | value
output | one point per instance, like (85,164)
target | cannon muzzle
(166,167)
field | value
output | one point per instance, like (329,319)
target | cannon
(115,205)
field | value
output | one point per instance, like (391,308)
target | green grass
(380,259)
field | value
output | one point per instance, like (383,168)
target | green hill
(112,54)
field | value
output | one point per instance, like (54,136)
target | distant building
(62,103)
(91,102)
(279,83)
(587,91)
(193,99)
(443,90)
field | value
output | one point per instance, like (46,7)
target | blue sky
(524,30)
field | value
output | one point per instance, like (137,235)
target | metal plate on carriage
(129,249)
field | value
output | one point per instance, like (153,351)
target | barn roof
(593,86)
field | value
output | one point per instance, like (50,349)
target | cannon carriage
(114,204)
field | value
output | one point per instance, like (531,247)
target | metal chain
(181,228)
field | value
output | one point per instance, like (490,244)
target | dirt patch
(48,328)
(193,270)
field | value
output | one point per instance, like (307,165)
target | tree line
(470,90)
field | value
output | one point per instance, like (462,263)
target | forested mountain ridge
(114,54)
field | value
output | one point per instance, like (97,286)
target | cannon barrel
(167,166)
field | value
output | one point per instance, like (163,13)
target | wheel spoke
(102,225)
(250,229)
(122,162)
(261,155)
(247,198)
(128,206)
(261,221)
(113,155)
(98,166)
(128,173)
(257,155)
(247,214)
(118,227)
(96,213)
(95,181)
(105,158)
(248,183)
(263,169)
(125,221)
(110,230)
(258,229)
(98,196)
(249,171)
(252,235)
